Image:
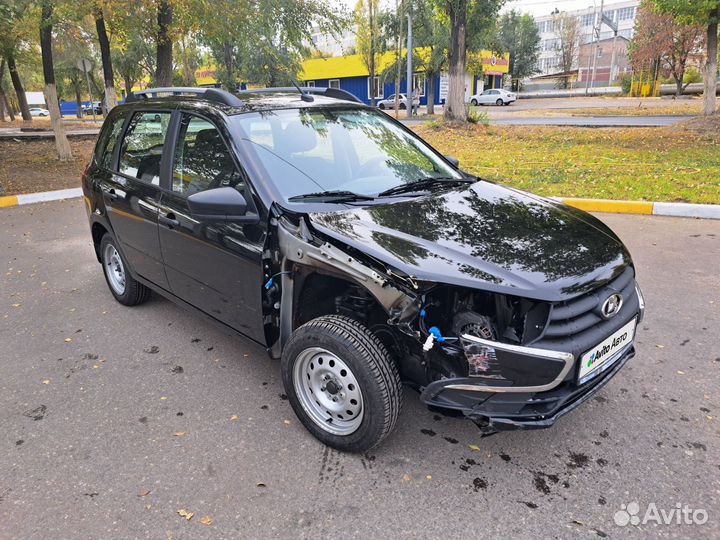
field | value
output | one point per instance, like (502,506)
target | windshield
(358,151)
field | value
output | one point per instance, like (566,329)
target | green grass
(668,164)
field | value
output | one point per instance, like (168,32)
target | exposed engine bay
(423,325)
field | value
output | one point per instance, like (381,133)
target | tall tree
(13,30)
(659,38)
(368,30)
(707,14)
(432,34)
(567,28)
(46,23)
(104,40)
(164,44)
(470,24)
(518,35)
(4,103)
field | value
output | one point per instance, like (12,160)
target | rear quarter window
(108,140)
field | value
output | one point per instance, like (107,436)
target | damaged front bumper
(504,408)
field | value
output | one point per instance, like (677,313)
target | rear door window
(108,140)
(142,147)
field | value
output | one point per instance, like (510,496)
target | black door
(132,195)
(213,265)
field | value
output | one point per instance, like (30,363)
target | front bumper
(498,411)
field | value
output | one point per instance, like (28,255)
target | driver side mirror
(220,204)
(453,160)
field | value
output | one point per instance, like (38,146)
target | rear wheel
(499,101)
(341,383)
(123,286)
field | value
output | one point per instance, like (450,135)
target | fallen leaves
(144,493)
(185,514)
(206,520)
(474,447)
(16,305)
(234,418)
(68,340)
(46,381)
(180,433)
(260,484)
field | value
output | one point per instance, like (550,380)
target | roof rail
(334,93)
(210,94)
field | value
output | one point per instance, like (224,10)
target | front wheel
(341,383)
(473,102)
(381,106)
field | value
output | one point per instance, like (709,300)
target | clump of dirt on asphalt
(703,125)
(32,166)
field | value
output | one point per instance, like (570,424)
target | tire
(403,107)
(315,357)
(499,102)
(122,285)
(381,106)
(473,102)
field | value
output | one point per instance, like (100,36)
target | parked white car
(389,102)
(37,111)
(494,96)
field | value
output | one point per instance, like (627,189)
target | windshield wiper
(332,196)
(425,184)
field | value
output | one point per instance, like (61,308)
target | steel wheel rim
(114,269)
(328,391)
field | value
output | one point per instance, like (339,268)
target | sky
(545,7)
(534,7)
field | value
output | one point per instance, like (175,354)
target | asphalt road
(592,121)
(576,121)
(115,418)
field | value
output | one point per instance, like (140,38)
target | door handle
(169,220)
(110,194)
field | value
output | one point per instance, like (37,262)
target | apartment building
(621,13)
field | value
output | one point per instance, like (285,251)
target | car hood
(485,236)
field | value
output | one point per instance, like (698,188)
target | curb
(706,211)
(44,196)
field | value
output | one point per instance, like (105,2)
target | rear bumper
(499,411)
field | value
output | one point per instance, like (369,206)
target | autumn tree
(661,38)
(106,58)
(518,35)
(567,28)
(14,25)
(46,26)
(368,30)
(470,24)
(707,14)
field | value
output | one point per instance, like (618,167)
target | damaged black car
(359,257)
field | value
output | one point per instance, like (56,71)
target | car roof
(246,101)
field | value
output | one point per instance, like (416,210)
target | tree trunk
(108,75)
(3,99)
(19,90)
(164,65)
(711,65)
(4,103)
(431,93)
(229,61)
(128,86)
(456,108)
(398,70)
(78,98)
(371,67)
(678,85)
(61,140)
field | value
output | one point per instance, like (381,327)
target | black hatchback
(360,257)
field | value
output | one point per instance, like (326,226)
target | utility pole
(592,39)
(598,27)
(409,83)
